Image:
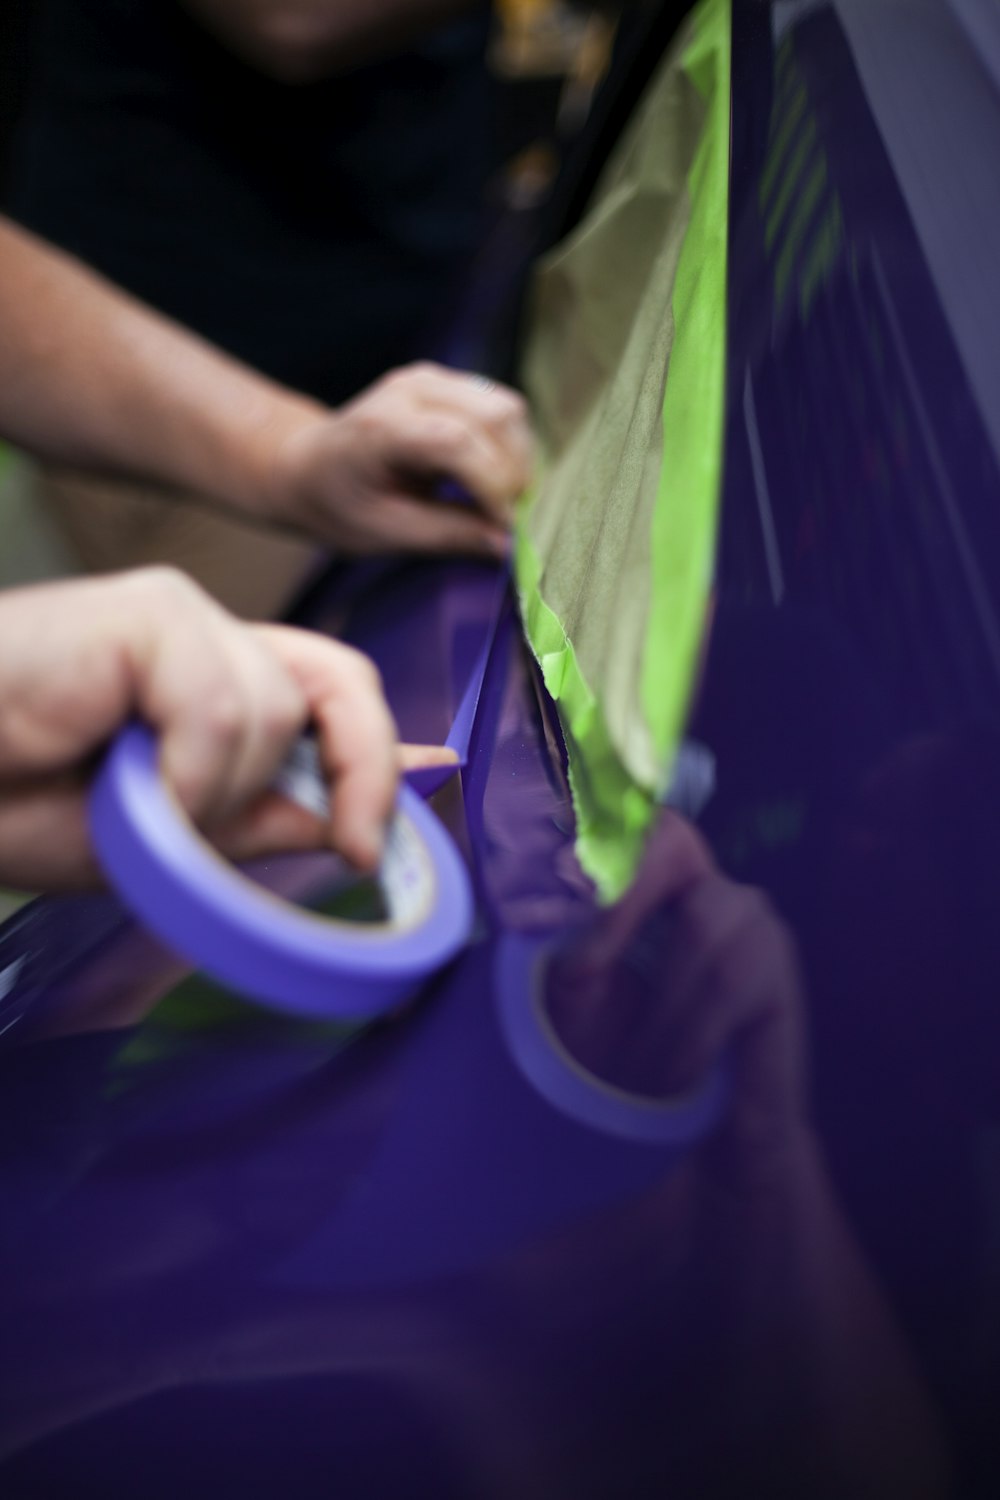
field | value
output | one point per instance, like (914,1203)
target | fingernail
(500,544)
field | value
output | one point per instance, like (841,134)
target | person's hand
(104,385)
(77,660)
(368,477)
(689,970)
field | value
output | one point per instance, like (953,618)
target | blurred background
(545,59)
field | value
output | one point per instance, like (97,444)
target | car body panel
(238,1253)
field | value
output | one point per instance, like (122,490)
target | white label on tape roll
(406,877)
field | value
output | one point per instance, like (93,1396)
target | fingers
(224,705)
(475,433)
(226,700)
(272,824)
(429,526)
(356,733)
(229,700)
(366,478)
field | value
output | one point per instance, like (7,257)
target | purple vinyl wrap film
(261,1257)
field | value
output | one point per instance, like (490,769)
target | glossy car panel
(237,1253)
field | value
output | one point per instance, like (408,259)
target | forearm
(90,378)
(301,40)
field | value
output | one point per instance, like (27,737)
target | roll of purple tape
(545,1063)
(274,952)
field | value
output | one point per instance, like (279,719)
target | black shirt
(316,231)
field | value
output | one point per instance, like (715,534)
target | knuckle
(406,376)
(224,716)
(445,434)
(371,677)
(370,421)
(189,789)
(511,405)
(360,670)
(283,713)
(390,382)
(168,586)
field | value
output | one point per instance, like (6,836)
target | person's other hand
(77,660)
(689,970)
(368,477)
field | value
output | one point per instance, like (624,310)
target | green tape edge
(685,521)
(614,812)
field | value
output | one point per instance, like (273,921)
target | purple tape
(548,1067)
(253,941)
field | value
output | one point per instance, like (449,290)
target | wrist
(267,485)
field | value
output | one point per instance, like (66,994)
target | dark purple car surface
(695,1197)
